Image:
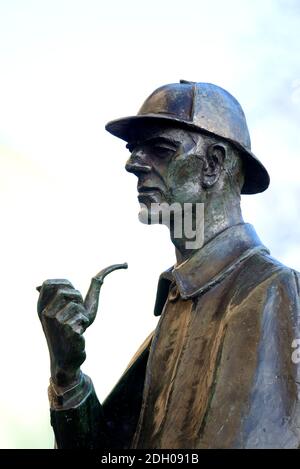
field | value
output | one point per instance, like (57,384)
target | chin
(157,213)
(147,216)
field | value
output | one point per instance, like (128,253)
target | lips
(147,189)
(148,194)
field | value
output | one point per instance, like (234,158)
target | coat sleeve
(273,416)
(80,421)
(77,419)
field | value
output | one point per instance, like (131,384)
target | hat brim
(130,128)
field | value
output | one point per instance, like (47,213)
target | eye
(163,151)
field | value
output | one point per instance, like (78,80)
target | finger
(70,311)
(75,341)
(61,299)
(79,323)
(48,291)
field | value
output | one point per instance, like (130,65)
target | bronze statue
(217,372)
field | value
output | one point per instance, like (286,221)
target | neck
(220,213)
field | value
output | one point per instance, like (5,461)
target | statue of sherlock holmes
(218,371)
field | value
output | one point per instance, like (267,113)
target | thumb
(92,297)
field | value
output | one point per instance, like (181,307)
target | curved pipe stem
(92,297)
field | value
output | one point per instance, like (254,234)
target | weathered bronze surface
(217,372)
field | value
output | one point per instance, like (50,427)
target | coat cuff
(71,397)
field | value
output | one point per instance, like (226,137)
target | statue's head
(189,141)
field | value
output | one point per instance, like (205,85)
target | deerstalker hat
(202,107)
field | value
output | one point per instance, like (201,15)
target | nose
(137,164)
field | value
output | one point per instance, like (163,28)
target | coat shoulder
(265,267)
(261,277)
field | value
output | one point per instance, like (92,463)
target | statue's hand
(65,316)
(64,319)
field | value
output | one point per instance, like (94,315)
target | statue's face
(168,166)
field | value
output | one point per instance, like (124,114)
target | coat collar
(210,264)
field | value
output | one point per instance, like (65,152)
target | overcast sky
(68,207)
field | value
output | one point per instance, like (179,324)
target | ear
(213,164)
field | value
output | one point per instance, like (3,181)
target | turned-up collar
(210,264)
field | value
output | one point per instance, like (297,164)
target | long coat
(219,371)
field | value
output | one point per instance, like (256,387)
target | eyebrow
(153,140)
